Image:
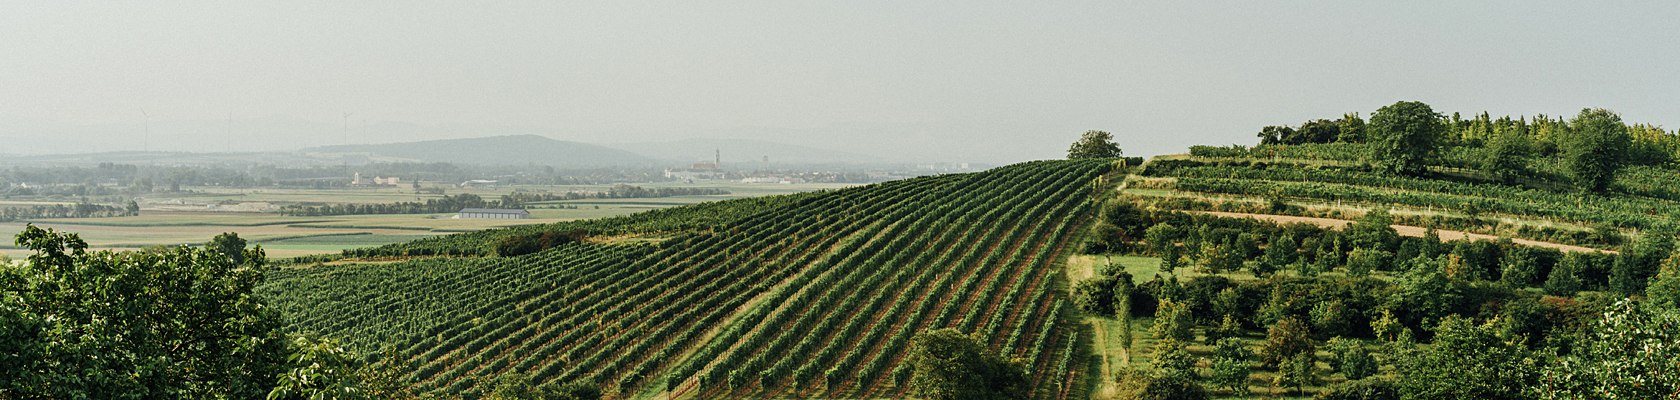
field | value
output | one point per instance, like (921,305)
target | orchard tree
(1595,148)
(1284,340)
(1094,144)
(1230,365)
(1405,136)
(1172,321)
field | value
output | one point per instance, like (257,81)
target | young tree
(1349,357)
(949,365)
(1564,280)
(1230,365)
(1094,144)
(1405,136)
(1664,290)
(1297,372)
(1174,360)
(1362,261)
(1172,320)
(1374,231)
(1596,148)
(1162,237)
(1280,253)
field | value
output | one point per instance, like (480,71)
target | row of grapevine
(807,295)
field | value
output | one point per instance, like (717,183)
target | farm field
(812,295)
(186,221)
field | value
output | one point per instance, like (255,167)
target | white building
(493,213)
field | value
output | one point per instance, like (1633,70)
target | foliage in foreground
(171,323)
(948,365)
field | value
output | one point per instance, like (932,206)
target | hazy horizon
(947,81)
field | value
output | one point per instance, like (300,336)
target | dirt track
(1404,230)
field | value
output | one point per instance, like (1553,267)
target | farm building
(494,213)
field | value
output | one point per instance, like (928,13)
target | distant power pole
(717,158)
(146,141)
(347,128)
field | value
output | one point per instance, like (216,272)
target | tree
(1374,231)
(1297,372)
(1519,268)
(1564,279)
(1664,289)
(1468,361)
(1172,321)
(1094,144)
(1276,135)
(1349,357)
(1230,365)
(183,322)
(1362,261)
(1285,339)
(1174,360)
(1280,254)
(1404,137)
(1595,148)
(1506,157)
(946,365)
(1318,131)
(1154,384)
(1095,296)
(230,245)
(1350,128)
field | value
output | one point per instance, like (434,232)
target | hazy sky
(969,80)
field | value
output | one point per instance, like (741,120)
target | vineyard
(1328,178)
(812,295)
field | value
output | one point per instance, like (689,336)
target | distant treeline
(447,204)
(517,199)
(79,210)
(113,178)
(620,191)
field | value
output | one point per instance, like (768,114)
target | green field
(183,219)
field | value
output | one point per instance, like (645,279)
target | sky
(981,81)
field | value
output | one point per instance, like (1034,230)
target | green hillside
(806,296)
(1325,261)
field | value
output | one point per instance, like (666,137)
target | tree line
(83,209)
(1407,136)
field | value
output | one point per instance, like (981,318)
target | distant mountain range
(499,150)
(494,150)
(743,151)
